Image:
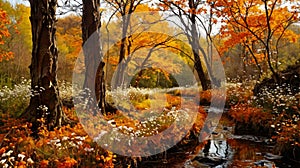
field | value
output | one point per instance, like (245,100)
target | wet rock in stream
(209,161)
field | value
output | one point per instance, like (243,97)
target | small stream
(226,150)
(235,151)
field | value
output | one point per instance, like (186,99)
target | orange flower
(2,150)
(98,158)
(68,163)
(44,163)
(21,164)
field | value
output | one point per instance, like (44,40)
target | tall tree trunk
(119,81)
(200,72)
(94,74)
(269,51)
(195,46)
(45,102)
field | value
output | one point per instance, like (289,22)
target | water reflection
(237,151)
(223,149)
(216,153)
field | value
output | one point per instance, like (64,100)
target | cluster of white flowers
(279,99)
(21,91)
(17,98)
(42,108)
(7,160)
(66,142)
(8,153)
(151,126)
(67,90)
(55,142)
(237,91)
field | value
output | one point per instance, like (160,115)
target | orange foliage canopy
(256,24)
(4,21)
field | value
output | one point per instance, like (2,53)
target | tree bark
(94,65)
(121,64)
(195,46)
(45,101)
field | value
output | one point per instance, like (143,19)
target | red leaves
(4,32)
(247,114)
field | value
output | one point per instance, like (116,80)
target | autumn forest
(141,83)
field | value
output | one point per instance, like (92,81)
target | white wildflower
(7,154)
(80,138)
(272,126)
(55,141)
(88,149)
(79,143)
(65,138)
(21,156)
(12,159)
(72,144)
(30,161)
(3,161)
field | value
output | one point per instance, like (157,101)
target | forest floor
(275,115)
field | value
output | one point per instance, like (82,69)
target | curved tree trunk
(45,102)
